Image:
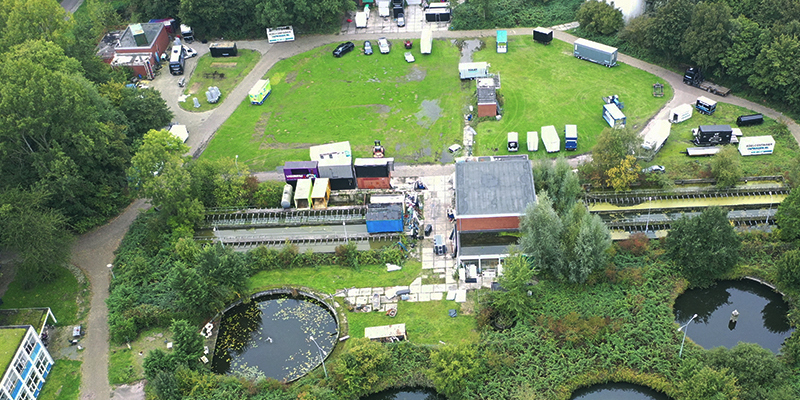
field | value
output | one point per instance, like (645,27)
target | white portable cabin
(756,145)
(552,143)
(513,141)
(613,116)
(180,132)
(533,141)
(384,8)
(426,42)
(473,70)
(657,136)
(681,113)
(361,20)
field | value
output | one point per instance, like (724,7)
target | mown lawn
(426,322)
(63,382)
(547,85)
(125,365)
(61,295)
(317,99)
(681,166)
(234,68)
(330,278)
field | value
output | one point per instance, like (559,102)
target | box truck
(513,141)
(177,59)
(187,33)
(552,143)
(260,91)
(595,52)
(361,20)
(570,137)
(543,35)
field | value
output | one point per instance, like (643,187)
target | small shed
(386,333)
(374,173)
(223,49)
(321,193)
(302,193)
(294,170)
(384,218)
(487,97)
(473,70)
(756,145)
(502,41)
(543,35)
(613,116)
(680,113)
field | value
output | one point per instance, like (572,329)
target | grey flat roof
(493,188)
(151,31)
(487,96)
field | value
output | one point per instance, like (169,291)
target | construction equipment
(658,90)
(614,99)
(378,151)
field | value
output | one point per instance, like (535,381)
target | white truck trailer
(552,143)
(681,113)
(361,20)
(426,42)
(595,52)
(533,141)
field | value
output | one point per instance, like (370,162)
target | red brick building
(139,48)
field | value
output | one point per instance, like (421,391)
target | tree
(707,37)
(777,71)
(788,216)
(704,247)
(558,180)
(669,24)
(621,176)
(542,229)
(512,301)
(613,145)
(89,28)
(726,167)
(31,20)
(356,371)
(144,110)
(600,17)
(789,270)
(188,346)
(591,247)
(747,40)
(759,373)
(310,15)
(452,366)
(157,361)
(710,384)
(636,31)
(145,10)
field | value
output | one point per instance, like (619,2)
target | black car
(343,49)
(367,48)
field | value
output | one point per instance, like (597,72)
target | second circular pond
(618,391)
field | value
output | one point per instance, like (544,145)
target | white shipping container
(681,113)
(552,143)
(756,145)
(533,141)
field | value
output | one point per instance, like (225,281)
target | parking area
(415,21)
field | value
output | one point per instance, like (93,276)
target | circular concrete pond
(405,394)
(618,391)
(272,335)
(761,320)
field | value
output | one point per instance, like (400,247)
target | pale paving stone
(426,289)
(377,290)
(417,281)
(448,279)
(452,287)
(427,264)
(362,300)
(442,276)
(351,300)
(461,296)
(439,270)
(412,297)
(451,295)
(439,288)
(364,291)
(436,296)
(424,297)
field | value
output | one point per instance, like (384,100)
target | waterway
(271,336)
(618,391)
(762,315)
(405,394)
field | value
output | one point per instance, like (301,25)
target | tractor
(378,151)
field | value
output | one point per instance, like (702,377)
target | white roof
(751,140)
(180,132)
(614,111)
(258,86)
(546,31)
(320,189)
(706,100)
(378,332)
(682,109)
(657,135)
(330,151)
(473,65)
(484,82)
(595,45)
(386,199)
(361,162)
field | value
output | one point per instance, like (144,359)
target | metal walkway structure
(662,221)
(243,218)
(272,241)
(640,196)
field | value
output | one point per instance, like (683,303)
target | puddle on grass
(429,112)
(415,75)
(468,47)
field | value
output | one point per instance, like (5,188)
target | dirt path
(92,252)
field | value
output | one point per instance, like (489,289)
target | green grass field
(332,277)
(61,295)
(681,166)
(317,99)
(547,85)
(125,365)
(63,382)
(234,68)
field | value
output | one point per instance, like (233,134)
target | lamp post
(111,268)
(344,224)
(649,206)
(685,328)
(770,207)
(321,352)
(236,163)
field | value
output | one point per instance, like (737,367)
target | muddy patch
(194,88)
(261,126)
(468,47)
(429,112)
(223,65)
(290,78)
(380,108)
(414,75)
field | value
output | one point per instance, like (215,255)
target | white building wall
(30,366)
(630,8)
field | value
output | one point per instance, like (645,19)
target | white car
(190,52)
(384,45)
(409,57)
(654,168)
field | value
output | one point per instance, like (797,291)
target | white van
(513,141)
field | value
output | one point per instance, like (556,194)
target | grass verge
(547,85)
(329,278)
(234,70)
(125,365)
(63,382)
(61,295)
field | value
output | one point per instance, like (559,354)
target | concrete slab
(377,290)
(461,296)
(424,297)
(439,288)
(364,291)
(448,279)
(426,289)
(427,264)
(439,270)
(451,295)
(442,276)
(436,296)
(362,300)
(413,297)
(351,300)
(416,282)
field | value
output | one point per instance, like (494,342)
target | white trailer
(361,20)
(756,145)
(552,143)
(595,52)
(657,136)
(613,116)
(426,42)
(384,8)
(533,141)
(513,141)
(681,113)
(473,70)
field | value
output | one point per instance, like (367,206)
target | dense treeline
(489,14)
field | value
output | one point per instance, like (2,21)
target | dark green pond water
(405,394)
(762,315)
(272,336)
(618,391)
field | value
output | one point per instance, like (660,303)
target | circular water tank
(286,198)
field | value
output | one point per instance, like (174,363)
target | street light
(321,352)
(344,224)
(685,328)
(770,207)
(111,268)
(649,206)
(236,162)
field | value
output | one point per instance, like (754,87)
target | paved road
(94,251)
(71,5)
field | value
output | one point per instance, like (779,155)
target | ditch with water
(762,315)
(618,391)
(405,394)
(272,336)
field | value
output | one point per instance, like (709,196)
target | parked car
(401,20)
(343,49)
(409,57)
(654,168)
(367,48)
(190,52)
(384,46)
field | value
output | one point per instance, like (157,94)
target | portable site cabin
(294,170)
(680,113)
(384,8)
(595,52)
(180,132)
(302,194)
(570,137)
(533,141)
(657,136)
(750,120)
(335,161)
(382,218)
(473,70)
(438,12)
(705,105)
(552,143)
(513,141)
(426,42)
(502,41)
(756,145)
(613,116)
(321,193)
(361,20)
(260,91)
(543,35)
(386,333)
(710,135)
(223,49)
(374,173)
(487,97)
